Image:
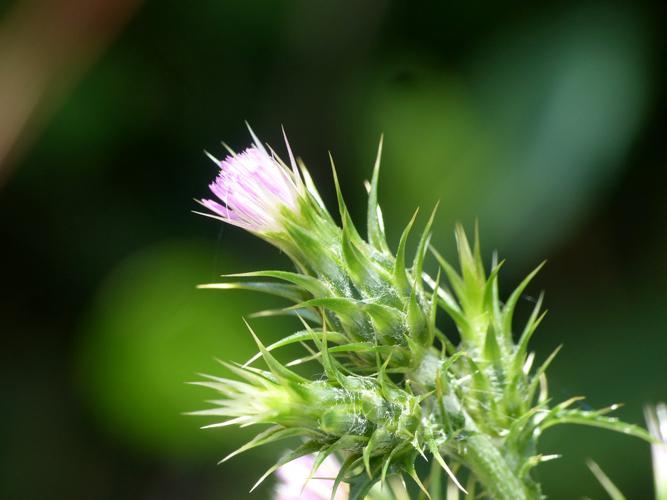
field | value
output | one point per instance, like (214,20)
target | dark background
(543,120)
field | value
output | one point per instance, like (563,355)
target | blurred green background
(543,120)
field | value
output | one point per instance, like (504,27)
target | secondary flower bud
(293,476)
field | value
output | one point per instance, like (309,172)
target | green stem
(490,468)
(493,471)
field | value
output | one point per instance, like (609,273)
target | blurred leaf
(527,141)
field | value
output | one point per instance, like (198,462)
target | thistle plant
(393,386)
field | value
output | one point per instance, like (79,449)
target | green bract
(394,386)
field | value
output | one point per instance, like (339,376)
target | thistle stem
(486,462)
(494,472)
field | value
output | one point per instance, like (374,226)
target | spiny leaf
(312,190)
(532,387)
(387,320)
(308,283)
(342,208)
(477,253)
(255,377)
(400,276)
(472,272)
(241,420)
(519,428)
(339,305)
(454,279)
(433,447)
(220,381)
(354,347)
(534,461)
(450,306)
(593,419)
(298,337)
(376,236)
(416,320)
(299,312)
(531,325)
(470,266)
(433,311)
(510,305)
(347,311)
(304,359)
(274,365)
(286,291)
(491,286)
(492,352)
(310,245)
(274,433)
(492,304)
(481,381)
(418,263)
(331,367)
(359,266)
(292,162)
(408,467)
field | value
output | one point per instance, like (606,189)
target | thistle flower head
(252,189)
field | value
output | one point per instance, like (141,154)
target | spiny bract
(394,387)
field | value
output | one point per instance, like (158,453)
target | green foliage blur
(543,121)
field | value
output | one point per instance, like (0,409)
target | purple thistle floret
(252,188)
